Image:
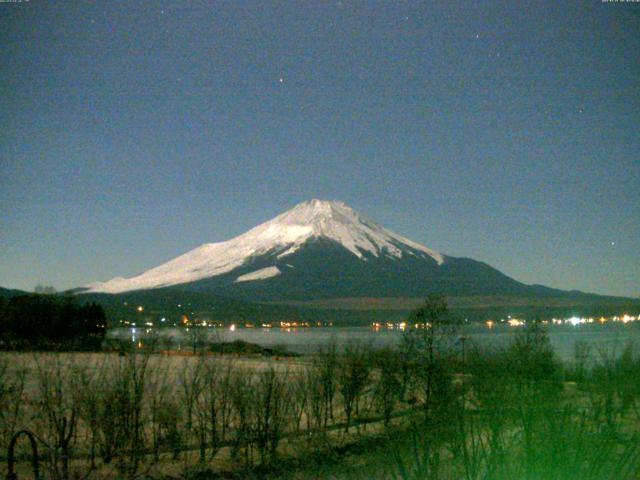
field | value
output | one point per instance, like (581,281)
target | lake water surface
(610,336)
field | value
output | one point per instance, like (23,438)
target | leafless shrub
(426,349)
(12,387)
(163,412)
(353,376)
(272,409)
(213,407)
(387,388)
(121,413)
(315,408)
(60,411)
(190,385)
(299,390)
(86,386)
(326,363)
(241,399)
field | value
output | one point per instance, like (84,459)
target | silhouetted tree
(50,321)
(44,290)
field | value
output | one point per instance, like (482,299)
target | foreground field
(414,412)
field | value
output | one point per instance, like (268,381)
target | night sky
(131,132)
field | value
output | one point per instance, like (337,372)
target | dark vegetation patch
(241,347)
(50,322)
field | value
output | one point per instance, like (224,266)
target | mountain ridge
(323,250)
(281,236)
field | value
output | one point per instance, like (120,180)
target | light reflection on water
(305,340)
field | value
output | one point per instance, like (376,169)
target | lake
(610,336)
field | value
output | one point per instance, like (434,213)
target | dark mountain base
(174,305)
(323,269)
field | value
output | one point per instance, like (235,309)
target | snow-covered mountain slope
(280,237)
(261,274)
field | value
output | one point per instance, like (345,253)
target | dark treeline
(50,322)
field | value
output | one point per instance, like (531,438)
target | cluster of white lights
(402,326)
(518,322)
(511,321)
(582,320)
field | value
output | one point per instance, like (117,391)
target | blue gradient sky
(132,132)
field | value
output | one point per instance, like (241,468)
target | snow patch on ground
(259,274)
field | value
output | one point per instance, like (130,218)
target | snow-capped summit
(336,221)
(277,239)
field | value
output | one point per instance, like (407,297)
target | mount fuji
(320,250)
